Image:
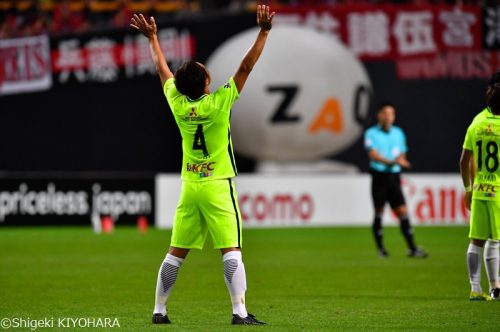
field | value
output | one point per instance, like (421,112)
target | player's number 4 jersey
(204,124)
(483,139)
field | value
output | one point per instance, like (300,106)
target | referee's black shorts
(386,187)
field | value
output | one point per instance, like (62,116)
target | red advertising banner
(25,65)
(389,32)
(100,58)
(424,41)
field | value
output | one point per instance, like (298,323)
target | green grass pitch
(316,279)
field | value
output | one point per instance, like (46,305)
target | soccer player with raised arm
(482,195)
(208,201)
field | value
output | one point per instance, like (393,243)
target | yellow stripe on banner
(103,6)
(46,5)
(77,6)
(23,5)
(5,5)
(139,6)
(168,6)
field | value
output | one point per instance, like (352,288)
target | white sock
(491,258)
(236,281)
(474,267)
(165,282)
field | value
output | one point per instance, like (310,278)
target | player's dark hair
(383,105)
(190,79)
(493,98)
(494,79)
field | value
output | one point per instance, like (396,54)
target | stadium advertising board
(327,200)
(75,200)
(104,58)
(425,41)
(429,41)
(25,65)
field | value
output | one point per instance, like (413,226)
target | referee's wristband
(468,189)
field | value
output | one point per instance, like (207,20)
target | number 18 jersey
(483,139)
(204,124)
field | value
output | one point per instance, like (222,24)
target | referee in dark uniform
(386,148)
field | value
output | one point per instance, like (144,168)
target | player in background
(491,248)
(386,147)
(208,201)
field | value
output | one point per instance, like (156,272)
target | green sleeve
(169,84)
(226,95)
(468,139)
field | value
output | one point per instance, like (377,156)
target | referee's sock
(167,275)
(378,233)
(236,281)
(407,231)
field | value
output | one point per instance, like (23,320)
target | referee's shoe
(417,253)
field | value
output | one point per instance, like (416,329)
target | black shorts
(386,187)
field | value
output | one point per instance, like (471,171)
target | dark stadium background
(127,126)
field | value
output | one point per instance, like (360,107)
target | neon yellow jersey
(482,115)
(483,139)
(204,124)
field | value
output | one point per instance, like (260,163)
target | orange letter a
(329,118)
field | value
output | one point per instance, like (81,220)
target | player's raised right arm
(149,29)
(264,20)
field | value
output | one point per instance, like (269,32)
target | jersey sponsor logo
(205,174)
(227,85)
(201,168)
(487,177)
(193,116)
(486,188)
(488,131)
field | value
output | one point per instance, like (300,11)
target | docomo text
(276,207)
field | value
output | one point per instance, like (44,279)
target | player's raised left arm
(264,20)
(465,173)
(149,30)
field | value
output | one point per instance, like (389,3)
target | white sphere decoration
(307,81)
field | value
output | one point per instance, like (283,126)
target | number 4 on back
(199,141)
